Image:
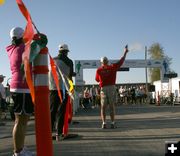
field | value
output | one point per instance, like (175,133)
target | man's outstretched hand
(126,49)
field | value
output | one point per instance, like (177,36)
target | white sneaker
(24,152)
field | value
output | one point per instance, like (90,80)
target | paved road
(142,131)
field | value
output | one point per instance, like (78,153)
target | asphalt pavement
(142,131)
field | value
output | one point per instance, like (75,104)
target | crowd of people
(132,95)
(89,97)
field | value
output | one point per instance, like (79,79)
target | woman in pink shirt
(23,106)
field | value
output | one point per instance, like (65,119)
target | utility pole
(146,73)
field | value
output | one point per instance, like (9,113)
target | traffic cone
(42,110)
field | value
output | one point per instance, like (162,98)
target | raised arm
(121,61)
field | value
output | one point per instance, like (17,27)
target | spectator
(133,95)
(10,102)
(86,98)
(2,97)
(93,96)
(65,64)
(23,106)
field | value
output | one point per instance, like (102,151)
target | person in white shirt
(2,97)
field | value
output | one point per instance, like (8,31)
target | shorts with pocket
(108,95)
(23,103)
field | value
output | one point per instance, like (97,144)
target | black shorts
(23,103)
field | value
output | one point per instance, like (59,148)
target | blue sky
(95,28)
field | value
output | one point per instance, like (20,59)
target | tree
(156,51)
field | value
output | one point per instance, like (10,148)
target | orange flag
(55,76)
(28,37)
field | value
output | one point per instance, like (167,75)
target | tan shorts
(108,95)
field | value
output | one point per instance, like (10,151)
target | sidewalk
(142,131)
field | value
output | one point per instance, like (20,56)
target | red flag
(23,9)
(28,37)
(55,76)
(66,126)
(70,115)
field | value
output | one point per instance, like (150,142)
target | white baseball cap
(16,32)
(63,47)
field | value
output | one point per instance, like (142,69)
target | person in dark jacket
(58,108)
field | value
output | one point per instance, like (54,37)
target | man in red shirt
(106,76)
